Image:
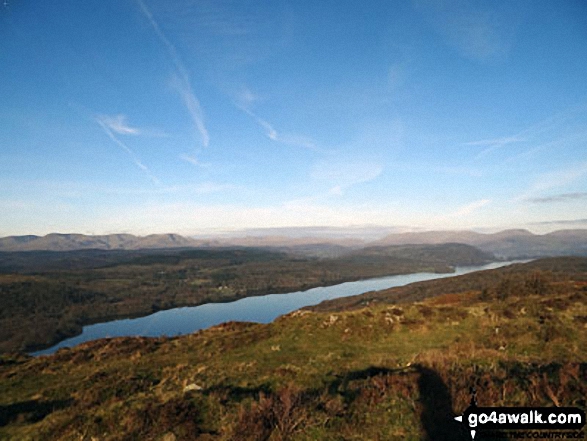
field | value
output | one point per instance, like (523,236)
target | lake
(260,309)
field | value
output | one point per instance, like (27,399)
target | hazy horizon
(194,117)
(364,233)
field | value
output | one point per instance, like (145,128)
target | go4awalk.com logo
(528,422)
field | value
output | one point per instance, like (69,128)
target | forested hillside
(48,296)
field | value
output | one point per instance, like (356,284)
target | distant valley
(48,296)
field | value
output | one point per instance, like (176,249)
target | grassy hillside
(378,372)
(48,296)
(539,276)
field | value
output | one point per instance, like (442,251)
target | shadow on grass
(30,411)
(236,393)
(436,404)
(437,415)
(361,390)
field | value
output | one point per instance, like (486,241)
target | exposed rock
(331,321)
(192,387)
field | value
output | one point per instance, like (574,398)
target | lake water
(260,309)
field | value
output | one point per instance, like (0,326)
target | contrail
(182,85)
(124,147)
(273,135)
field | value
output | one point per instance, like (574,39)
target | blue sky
(195,116)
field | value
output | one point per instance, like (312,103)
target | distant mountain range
(72,242)
(505,244)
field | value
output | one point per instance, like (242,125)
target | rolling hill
(401,369)
(72,242)
(509,244)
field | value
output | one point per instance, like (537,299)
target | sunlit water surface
(260,309)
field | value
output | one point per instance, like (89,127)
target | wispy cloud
(560,178)
(194,161)
(187,218)
(202,188)
(557,143)
(498,141)
(245,100)
(283,138)
(333,178)
(479,33)
(470,208)
(192,104)
(109,131)
(495,144)
(270,132)
(463,211)
(420,167)
(559,129)
(554,179)
(118,124)
(564,197)
(574,222)
(341,174)
(181,80)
